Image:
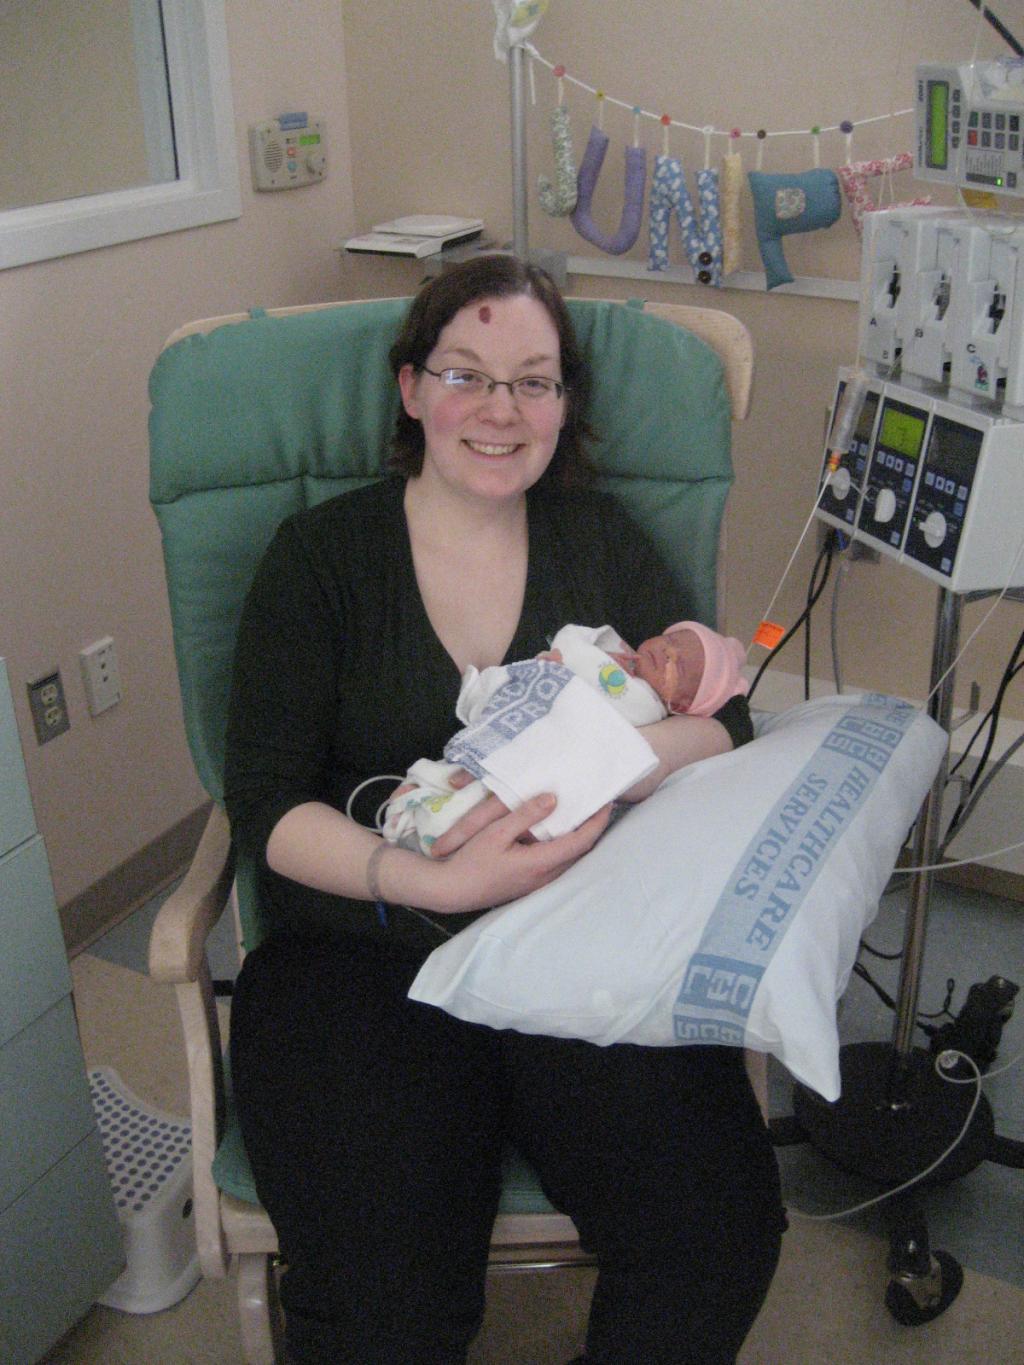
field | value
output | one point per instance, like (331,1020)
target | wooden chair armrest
(177,956)
(177,945)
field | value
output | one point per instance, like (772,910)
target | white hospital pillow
(726,908)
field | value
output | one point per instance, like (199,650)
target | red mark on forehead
(484,313)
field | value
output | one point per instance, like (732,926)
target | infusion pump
(935,485)
(970,124)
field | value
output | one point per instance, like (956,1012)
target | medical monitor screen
(953,449)
(938,124)
(902,430)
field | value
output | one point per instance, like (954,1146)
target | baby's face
(673,665)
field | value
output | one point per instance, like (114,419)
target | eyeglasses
(531,388)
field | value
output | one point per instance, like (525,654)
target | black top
(339,675)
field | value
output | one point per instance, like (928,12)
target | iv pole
(520,224)
(896,1116)
(926,847)
(554,262)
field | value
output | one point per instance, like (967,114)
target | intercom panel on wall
(288,151)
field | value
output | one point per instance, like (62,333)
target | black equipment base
(895,1117)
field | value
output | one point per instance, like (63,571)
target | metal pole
(926,847)
(520,231)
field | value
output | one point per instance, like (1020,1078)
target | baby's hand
(552,656)
(460,778)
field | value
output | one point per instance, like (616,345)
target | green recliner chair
(258,415)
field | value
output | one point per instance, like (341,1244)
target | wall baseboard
(145,874)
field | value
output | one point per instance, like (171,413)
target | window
(177,132)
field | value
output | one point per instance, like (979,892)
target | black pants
(375,1127)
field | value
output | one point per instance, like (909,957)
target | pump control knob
(885,505)
(840,483)
(316,163)
(934,528)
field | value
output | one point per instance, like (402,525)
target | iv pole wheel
(921,1299)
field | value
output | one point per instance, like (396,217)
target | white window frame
(207,189)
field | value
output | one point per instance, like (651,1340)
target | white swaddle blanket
(533,727)
(589,652)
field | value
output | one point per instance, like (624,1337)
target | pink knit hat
(724,656)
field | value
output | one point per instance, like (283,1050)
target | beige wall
(430,133)
(79,548)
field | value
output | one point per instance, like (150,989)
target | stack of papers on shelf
(418,235)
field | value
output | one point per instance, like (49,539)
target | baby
(687,670)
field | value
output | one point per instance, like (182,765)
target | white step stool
(149,1161)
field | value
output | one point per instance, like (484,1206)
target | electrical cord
(976,785)
(824,555)
(926,1028)
(999,27)
(968,810)
(991,716)
(844,569)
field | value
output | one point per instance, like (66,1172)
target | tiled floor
(827,1299)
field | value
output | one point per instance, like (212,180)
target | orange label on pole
(768,634)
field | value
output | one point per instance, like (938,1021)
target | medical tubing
(796,550)
(848,412)
(997,1071)
(380,777)
(825,552)
(940,1070)
(965,862)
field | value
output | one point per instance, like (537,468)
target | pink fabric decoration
(855,176)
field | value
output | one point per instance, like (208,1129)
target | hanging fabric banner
(784,204)
(633,207)
(854,178)
(702,237)
(559,199)
(730,190)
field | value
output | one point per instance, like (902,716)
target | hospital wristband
(373,871)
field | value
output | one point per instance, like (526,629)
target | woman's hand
(491,858)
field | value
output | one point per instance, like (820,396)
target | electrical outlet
(48,706)
(100,675)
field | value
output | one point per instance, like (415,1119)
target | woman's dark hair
(493,277)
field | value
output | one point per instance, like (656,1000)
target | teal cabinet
(60,1240)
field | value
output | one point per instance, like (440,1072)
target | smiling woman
(132,131)
(362,621)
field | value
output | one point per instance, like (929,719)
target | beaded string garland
(710,230)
